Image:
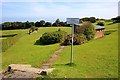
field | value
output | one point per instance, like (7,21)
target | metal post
(71,56)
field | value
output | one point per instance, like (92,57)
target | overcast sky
(50,10)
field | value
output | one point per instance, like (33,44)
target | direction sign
(73,20)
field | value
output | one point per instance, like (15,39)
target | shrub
(67,40)
(32,29)
(77,40)
(52,37)
(87,29)
(101,23)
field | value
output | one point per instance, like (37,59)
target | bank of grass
(25,51)
(95,59)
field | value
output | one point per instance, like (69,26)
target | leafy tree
(37,24)
(85,19)
(87,29)
(42,23)
(48,24)
(92,19)
(57,23)
(101,23)
(116,19)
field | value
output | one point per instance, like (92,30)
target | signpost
(72,21)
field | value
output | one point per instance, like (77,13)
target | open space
(97,58)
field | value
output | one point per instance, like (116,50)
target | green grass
(25,52)
(95,59)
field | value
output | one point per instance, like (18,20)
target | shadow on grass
(12,35)
(38,43)
(67,64)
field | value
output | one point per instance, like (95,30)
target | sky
(50,10)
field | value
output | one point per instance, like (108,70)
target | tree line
(27,24)
(42,23)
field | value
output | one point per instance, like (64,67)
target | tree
(87,29)
(48,24)
(37,24)
(92,19)
(85,19)
(101,23)
(57,23)
(42,23)
(116,19)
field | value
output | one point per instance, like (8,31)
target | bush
(101,23)
(67,40)
(32,29)
(87,29)
(77,40)
(52,37)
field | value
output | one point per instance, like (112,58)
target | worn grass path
(53,58)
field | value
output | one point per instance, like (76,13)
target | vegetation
(87,29)
(116,19)
(91,19)
(96,59)
(25,51)
(77,40)
(52,37)
(27,24)
(9,41)
(101,23)
(16,25)
(32,29)
(41,23)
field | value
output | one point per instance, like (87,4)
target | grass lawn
(95,59)
(25,52)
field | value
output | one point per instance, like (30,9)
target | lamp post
(72,21)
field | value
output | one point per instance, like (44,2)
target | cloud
(62,10)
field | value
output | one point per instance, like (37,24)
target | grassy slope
(24,51)
(95,59)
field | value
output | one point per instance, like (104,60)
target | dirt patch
(24,71)
(53,58)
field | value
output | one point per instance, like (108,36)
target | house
(100,30)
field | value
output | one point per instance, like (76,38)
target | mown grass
(24,51)
(95,59)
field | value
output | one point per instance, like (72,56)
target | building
(100,30)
